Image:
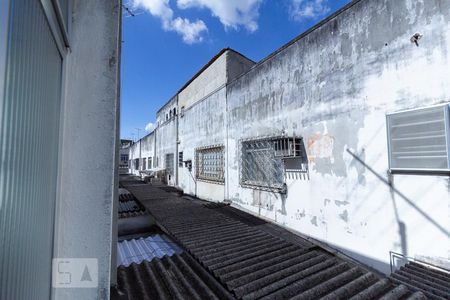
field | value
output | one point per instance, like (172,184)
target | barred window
(259,165)
(419,140)
(210,164)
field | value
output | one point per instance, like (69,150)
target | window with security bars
(261,166)
(210,164)
(418,140)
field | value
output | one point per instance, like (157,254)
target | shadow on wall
(288,161)
(395,192)
(373,264)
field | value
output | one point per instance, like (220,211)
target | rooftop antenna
(130,12)
(138,130)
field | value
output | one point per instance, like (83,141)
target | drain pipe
(195,181)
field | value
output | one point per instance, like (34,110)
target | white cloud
(231,13)
(308,9)
(150,127)
(190,31)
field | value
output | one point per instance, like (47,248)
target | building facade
(341,135)
(124,155)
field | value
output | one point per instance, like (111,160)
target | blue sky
(168,41)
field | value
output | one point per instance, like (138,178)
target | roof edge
(202,69)
(301,36)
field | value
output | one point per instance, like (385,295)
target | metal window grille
(260,167)
(210,164)
(169,164)
(287,147)
(418,140)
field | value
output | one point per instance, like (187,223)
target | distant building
(342,134)
(59,108)
(124,154)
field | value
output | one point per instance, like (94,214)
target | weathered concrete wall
(166,144)
(166,137)
(135,153)
(143,148)
(90,144)
(202,125)
(237,64)
(211,79)
(333,87)
(168,111)
(148,148)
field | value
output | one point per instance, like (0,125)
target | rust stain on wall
(320,146)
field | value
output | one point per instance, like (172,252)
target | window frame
(204,178)
(257,186)
(58,25)
(4,29)
(420,171)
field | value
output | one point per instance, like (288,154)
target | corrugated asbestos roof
(138,250)
(129,206)
(433,283)
(254,264)
(171,277)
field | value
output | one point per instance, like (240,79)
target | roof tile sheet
(145,249)
(434,283)
(253,263)
(170,277)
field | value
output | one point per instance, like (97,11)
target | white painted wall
(199,129)
(333,87)
(214,77)
(86,217)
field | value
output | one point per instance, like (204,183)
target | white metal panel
(418,139)
(29,125)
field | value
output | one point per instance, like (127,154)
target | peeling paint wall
(333,87)
(203,124)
